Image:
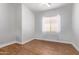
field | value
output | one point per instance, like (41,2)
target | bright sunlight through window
(51,24)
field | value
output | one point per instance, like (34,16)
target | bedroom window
(51,24)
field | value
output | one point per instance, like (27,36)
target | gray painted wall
(66,24)
(18,22)
(7,18)
(9,28)
(27,23)
(76,24)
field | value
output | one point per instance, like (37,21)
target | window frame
(58,25)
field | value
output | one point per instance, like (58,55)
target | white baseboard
(6,44)
(77,48)
(18,42)
(26,41)
(54,40)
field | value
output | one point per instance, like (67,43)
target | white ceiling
(39,7)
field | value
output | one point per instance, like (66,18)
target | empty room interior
(39,28)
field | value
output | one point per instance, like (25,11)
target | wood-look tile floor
(39,47)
